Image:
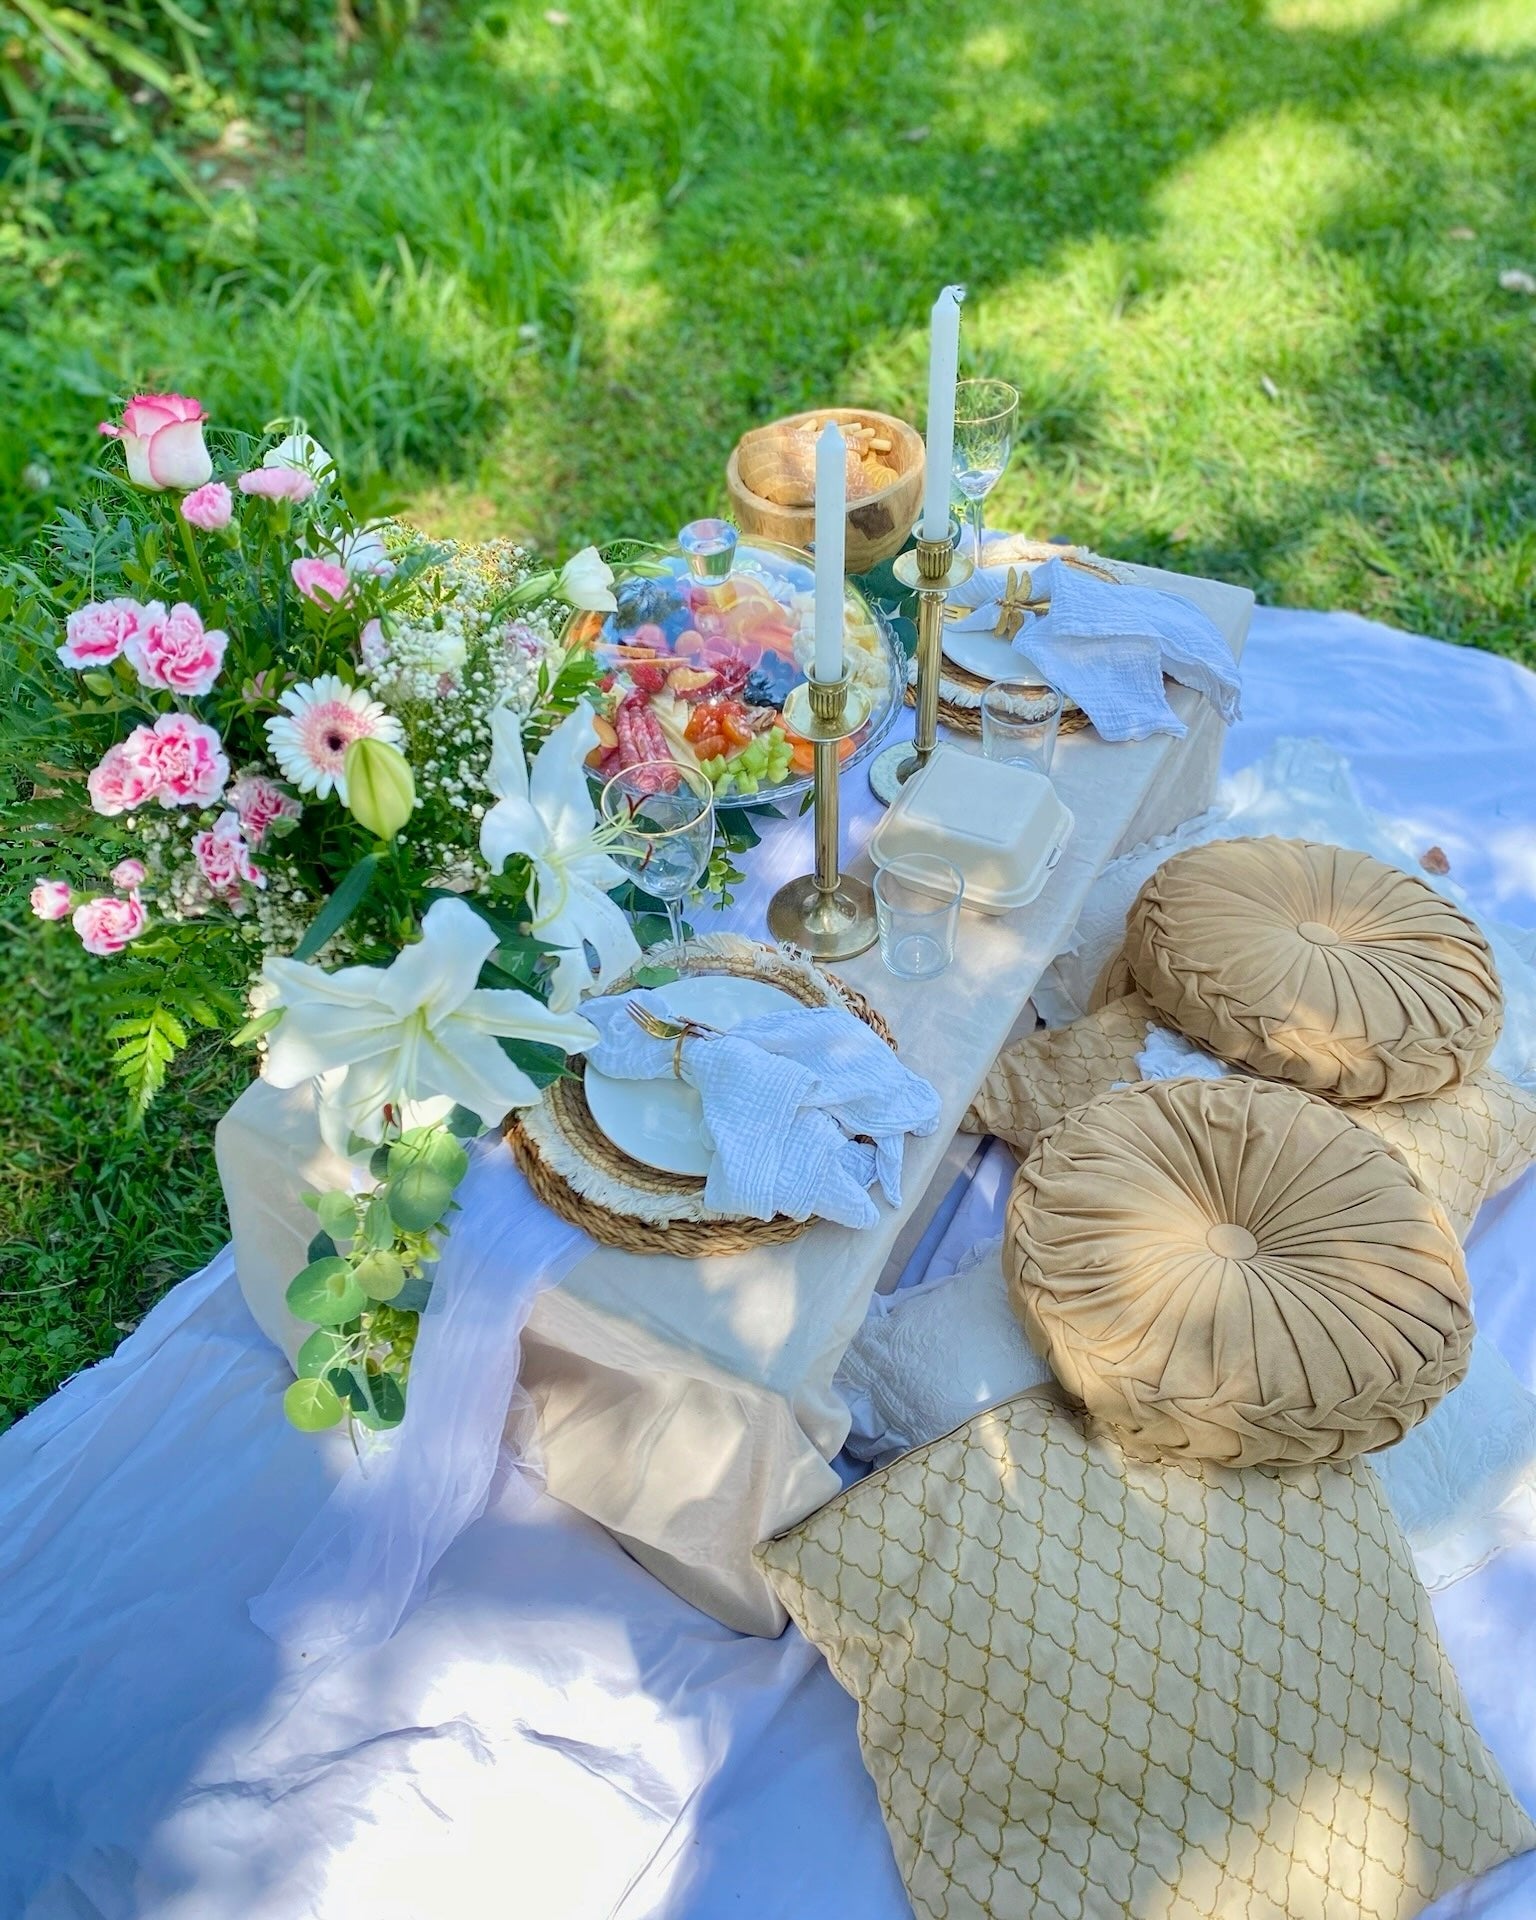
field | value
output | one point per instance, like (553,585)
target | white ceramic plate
(657,1121)
(986,655)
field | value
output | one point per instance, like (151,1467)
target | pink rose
(50,899)
(175,651)
(162,436)
(323,582)
(96,635)
(258,802)
(126,777)
(277,483)
(209,509)
(106,926)
(186,758)
(128,875)
(223,858)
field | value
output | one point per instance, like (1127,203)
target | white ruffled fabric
(803,1110)
(1108,646)
(363,1561)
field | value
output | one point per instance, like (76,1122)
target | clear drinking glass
(1019,723)
(986,415)
(917,908)
(663,821)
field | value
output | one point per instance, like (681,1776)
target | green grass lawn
(1243,260)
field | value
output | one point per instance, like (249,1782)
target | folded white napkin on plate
(784,1097)
(1108,646)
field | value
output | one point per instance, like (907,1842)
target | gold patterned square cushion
(1461,1145)
(1092,1688)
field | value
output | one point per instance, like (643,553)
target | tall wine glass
(662,817)
(986,415)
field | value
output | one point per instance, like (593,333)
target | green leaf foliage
(313,1405)
(387,1409)
(419,1196)
(338,910)
(324,1348)
(380,1275)
(325,1293)
(338,1214)
(146,1044)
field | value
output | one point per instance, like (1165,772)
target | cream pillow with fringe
(1462,1145)
(1090,1686)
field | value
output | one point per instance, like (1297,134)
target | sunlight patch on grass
(1336,16)
(1500,28)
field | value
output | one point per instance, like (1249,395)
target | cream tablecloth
(688,1405)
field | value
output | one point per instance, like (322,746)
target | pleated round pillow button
(1316,965)
(1232,1271)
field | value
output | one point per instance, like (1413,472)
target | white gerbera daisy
(324,717)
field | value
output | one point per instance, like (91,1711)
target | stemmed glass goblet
(662,821)
(986,416)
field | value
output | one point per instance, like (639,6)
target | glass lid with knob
(709,639)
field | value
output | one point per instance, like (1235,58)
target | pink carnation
(128,874)
(223,858)
(175,651)
(258,802)
(186,759)
(125,778)
(323,582)
(372,646)
(277,483)
(210,508)
(50,899)
(105,926)
(96,635)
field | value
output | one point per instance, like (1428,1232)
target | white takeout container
(1003,826)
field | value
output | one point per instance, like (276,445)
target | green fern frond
(146,1044)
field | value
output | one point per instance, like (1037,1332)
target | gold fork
(676,1030)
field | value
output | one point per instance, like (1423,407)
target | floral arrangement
(310,780)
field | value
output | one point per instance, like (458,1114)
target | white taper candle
(943,371)
(831,516)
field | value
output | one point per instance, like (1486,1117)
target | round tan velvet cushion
(1316,965)
(1230,1271)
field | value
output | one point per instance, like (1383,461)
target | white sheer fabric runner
(362,1563)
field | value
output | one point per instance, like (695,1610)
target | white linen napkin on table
(1108,646)
(784,1097)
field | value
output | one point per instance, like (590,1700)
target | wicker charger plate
(959,691)
(577,1171)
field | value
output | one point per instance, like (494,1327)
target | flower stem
(192,556)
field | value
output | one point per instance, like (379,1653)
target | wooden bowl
(771,481)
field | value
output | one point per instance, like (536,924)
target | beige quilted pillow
(1462,1145)
(1231,1270)
(1316,965)
(1093,1687)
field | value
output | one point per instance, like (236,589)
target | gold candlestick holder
(930,569)
(825,913)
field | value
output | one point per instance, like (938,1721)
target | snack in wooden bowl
(771,478)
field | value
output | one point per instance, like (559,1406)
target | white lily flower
(586,581)
(546,813)
(415,1029)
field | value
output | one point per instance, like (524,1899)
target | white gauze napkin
(783,1098)
(1108,646)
